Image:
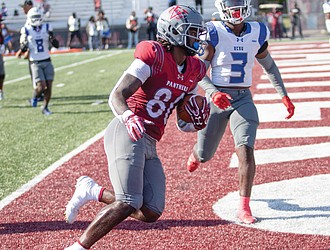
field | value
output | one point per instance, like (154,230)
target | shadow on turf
(44,226)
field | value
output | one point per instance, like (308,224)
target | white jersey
(38,41)
(234,56)
(326,8)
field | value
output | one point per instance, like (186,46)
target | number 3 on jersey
(239,67)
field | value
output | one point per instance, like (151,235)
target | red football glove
(198,115)
(289,106)
(221,100)
(135,125)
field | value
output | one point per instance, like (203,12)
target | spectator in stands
(46,8)
(97,5)
(4,9)
(2,67)
(295,16)
(132,26)
(276,24)
(16,12)
(199,6)
(103,27)
(8,37)
(171,3)
(326,11)
(26,5)
(91,33)
(74,30)
(150,17)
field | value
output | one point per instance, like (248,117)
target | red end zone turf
(36,220)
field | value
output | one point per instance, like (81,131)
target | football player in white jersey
(35,37)
(233,46)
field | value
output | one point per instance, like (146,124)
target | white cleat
(81,196)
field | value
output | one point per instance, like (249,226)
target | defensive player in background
(163,72)
(234,44)
(35,37)
(26,6)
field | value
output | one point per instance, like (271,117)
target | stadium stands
(115,10)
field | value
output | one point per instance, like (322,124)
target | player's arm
(128,84)
(24,45)
(274,75)
(221,100)
(53,40)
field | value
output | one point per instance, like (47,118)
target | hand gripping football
(185,105)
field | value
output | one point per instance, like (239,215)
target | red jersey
(161,92)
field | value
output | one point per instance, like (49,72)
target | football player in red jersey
(163,72)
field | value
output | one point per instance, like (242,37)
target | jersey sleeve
(264,34)
(152,54)
(212,34)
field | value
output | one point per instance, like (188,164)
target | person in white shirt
(326,11)
(132,26)
(74,29)
(91,33)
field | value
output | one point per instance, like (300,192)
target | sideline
(26,187)
(68,66)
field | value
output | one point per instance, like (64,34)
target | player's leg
(243,123)
(38,85)
(153,185)
(48,76)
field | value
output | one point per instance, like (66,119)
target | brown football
(181,111)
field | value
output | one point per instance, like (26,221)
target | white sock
(95,192)
(75,246)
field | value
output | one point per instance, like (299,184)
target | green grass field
(30,141)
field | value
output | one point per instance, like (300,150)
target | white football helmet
(233,11)
(34,17)
(182,25)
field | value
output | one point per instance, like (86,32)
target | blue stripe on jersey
(26,31)
(47,27)
(262,34)
(247,28)
(213,34)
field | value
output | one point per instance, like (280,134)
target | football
(181,111)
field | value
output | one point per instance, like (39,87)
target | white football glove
(134,125)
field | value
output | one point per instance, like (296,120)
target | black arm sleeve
(53,40)
(263,48)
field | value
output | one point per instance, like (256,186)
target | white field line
(294,95)
(285,154)
(304,55)
(305,111)
(318,68)
(277,133)
(295,84)
(302,62)
(300,46)
(23,189)
(301,75)
(67,66)
(297,51)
